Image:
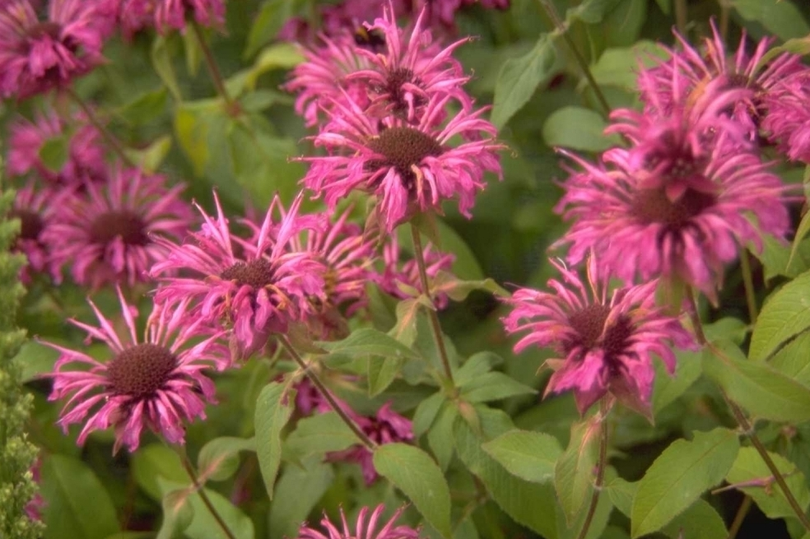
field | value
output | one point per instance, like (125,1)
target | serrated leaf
(66,514)
(412,471)
(297,492)
(476,365)
(274,407)
(757,387)
(369,341)
(700,521)
(381,372)
(529,455)
(203,524)
(784,316)
(577,128)
(792,360)
(780,17)
(440,435)
(320,433)
(679,476)
(621,493)
(520,77)
(177,513)
(54,153)
(426,413)
(591,11)
(574,471)
(492,386)
(219,459)
(153,462)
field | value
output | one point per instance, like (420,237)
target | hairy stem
(319,385)
(109,137)
(583,65)
(600,470)
(742,511)
(434,317)
(748,282)
(199,489)
(681,17)
(213,68)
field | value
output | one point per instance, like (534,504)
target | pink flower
(605,346)
(400,277)
(35,208)
(36,56)
(686,233)
(409,168)
(104,235)
(37,504)
(363,529)
(256,288)
(85,160)
(788,120)
(173,13)
(157,382)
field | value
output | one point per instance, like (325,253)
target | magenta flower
(35,208)
(104,235)
(409,168)
(686,234)
(255,288)
(788,120)
(363,529)
(605,346)
(36,56)
(173,13)
(156,383)
(400,277)
(85,159)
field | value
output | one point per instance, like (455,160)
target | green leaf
(193,50)
(76,503)
(369,341)
(579,129)
(35,359)
(273,409)
(219,459)
(621,27)
(668,387)
(591,11)
(412,471)
(779,17)
(678,477)
(297,492)
(426,413)
(621,493)
(751,475)
(203,525)
(792,360)
(492,386)
(784,316)
(278,56)
(757,387)
(150,158)
(162,62)
(267,23)
(381,372)
(144,108)
(700,521)
(54,153)
(155,461)
(192,129)
(320,434)
(619,66)
(779,258)
(177,513)
(458,290)
(529,455)
(574,471)
(440,435)
(520,77)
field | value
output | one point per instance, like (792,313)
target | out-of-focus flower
(37,504)
(409,168)
(104,234)
(254,288)
(34,208)
(156,382)
(605,344)
(788,120)
(38,55)
(400,278)
(366,527)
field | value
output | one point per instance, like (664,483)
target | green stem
(745,506)
(368,442)
(213,68)
(199,489)
(91,117)
(748,282)
(681,17)
(583,65)
(724,13)
(600,470)
(432,315)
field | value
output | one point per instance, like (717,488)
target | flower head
(104,234)
(157,382)
(173,13)
(34,208)
(410,168)
(363,528)
(36,56)
(398,276)
(256,288)
(605,344)
(788,120)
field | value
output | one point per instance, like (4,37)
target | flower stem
(724,13)
(199,489)
(739,517)
(368,442)
(109,137)
(213,68)
(600,470)
(748,282)
(434,318)
(583,65)
(681,17)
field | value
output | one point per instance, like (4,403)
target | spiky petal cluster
(399,275)
(788,120)
(156,382)
(103,234)
(35,209)
(605,344)
(38,55)
(254,288)
(365,527)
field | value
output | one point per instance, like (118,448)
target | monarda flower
(787,123)
(104,233)
(605,345)
(255,288)
(409,168)
(34,208)
(366,527)
(157,382)
(399,275)
(173,13)
(684,235)
(38,55)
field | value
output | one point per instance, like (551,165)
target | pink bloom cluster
(365,527)
(165,15)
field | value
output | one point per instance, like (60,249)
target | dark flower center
(403,147)
(124,224)
(141,370)
(256,273)
(31,224)
(393,87)
(678,160)
(653,206)
(45,28)
(590,324)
